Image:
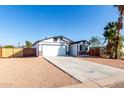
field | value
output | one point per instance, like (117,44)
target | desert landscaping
(32,72)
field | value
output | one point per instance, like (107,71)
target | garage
(53,50)
(52,46)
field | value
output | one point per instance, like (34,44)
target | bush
(8,46)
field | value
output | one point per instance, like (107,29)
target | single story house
(61,46)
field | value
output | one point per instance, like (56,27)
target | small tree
(95,41)
(9,46)
(28,44)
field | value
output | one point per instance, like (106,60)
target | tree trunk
(116,52)
(117,45)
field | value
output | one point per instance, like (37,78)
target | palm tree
(110,36)
(120,25)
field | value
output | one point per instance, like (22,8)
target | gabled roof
(54,37)
(84,41)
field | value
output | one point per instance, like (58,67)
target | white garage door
(54,50)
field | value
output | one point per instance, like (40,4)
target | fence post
(12,52)
(0,52)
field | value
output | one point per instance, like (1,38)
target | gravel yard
(32,72)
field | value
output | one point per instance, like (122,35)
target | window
(55,39)
(83,48)
(80,47)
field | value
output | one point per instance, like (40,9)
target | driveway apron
(85,71)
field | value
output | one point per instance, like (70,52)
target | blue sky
(20,23)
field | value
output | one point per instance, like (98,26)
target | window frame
(55,39)
(83,47)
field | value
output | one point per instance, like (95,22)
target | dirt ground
(117,63)
(32,72)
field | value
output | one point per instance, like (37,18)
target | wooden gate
(27,52)
(94,52)
(17,52)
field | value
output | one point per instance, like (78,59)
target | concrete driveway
(86,71)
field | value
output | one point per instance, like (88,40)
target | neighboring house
(61,46)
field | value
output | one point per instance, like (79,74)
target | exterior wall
(83,52)
(49,42)
(37,48)
(73,49)
(85,44)
(40,50)
(63,43)
(60,41)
